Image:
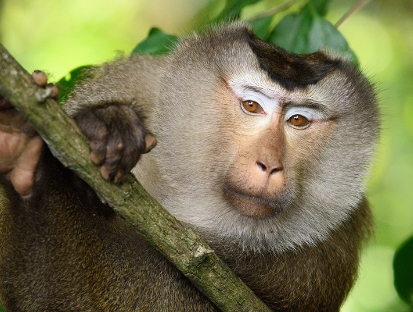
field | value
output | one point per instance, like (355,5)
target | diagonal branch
(185,249)
(359,5)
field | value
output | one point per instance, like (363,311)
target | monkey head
(260,147)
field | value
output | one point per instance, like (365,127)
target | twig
(350,12)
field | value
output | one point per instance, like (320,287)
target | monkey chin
(250,205)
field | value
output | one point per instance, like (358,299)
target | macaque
(262,152)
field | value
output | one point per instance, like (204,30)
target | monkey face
(271,145)
(252,151)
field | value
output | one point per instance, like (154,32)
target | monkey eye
(299,121)
(253,107)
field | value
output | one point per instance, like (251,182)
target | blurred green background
(57,36)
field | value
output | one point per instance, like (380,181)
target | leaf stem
(350,12)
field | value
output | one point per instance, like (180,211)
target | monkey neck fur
(269,268)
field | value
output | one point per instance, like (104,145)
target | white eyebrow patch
(247,91)
(275,99)
(310,113)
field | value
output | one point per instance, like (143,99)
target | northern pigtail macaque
(262,152)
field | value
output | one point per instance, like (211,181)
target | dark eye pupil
(252,106)
(299,121)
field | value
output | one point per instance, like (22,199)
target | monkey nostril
(261,166)
(275,170)
(270,170)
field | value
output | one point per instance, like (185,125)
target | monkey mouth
(251,205)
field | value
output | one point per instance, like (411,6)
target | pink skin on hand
(20,147)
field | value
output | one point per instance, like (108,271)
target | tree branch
(185,249)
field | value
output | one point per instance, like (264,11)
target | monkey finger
(111,165)
(98,153)
(97,133)
(111,173)
(150,143)
(121,158)
(40,78)
(129,159)
(114,147)
(105,172)
(22,176)
(51,90)
(118,177)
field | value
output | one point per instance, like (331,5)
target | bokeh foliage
(381,36)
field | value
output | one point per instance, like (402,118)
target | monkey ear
(150,143)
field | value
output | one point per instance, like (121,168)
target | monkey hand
(20,145)
(117,138)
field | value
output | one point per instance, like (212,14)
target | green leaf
(232,9)
(403,271)
(291,33)
(320,6)
(307,32)
(67,83)
(157,43)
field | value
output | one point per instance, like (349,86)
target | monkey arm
(183,248)
(110,108)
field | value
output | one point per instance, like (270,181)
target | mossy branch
(185,249)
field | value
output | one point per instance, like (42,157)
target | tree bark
(184,248)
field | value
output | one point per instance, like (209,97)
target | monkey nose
(269,167)
(267,175)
